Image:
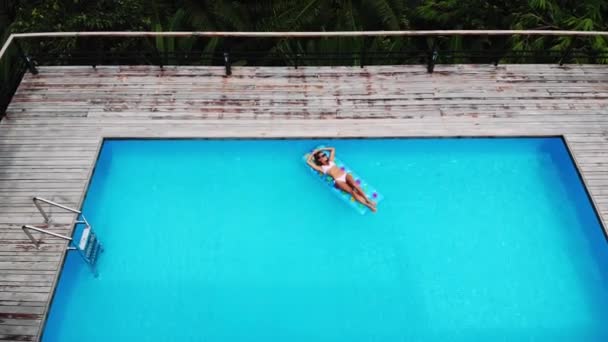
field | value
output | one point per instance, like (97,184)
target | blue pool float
(370,191)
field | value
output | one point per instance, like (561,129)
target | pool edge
(583,180)
(72,226)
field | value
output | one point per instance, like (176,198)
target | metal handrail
(43,213)
(321,34)
(26,229)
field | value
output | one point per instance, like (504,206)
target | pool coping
(65,250)
(103,139)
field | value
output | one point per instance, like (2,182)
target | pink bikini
(327,167)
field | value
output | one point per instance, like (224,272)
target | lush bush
(309,15)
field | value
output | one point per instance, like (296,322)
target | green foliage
(340,15)
(81,15)
(312,15)
(8,10)
(169,47)
(295,15)
(562,15)
(469,14)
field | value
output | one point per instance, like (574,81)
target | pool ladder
(88,246)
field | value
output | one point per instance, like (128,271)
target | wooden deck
(50,136)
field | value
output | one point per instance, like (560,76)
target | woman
(342,180)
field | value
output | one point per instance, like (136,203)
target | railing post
(297,59)
(362,55)
(495,57)
(98,52)
(158,56)
(566,53)
(227,64)
(28,61)
(160,60)
(432,58)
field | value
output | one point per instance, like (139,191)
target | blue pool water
(475,240)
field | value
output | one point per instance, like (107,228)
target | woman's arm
(332,152)
(310,156)
(313,164)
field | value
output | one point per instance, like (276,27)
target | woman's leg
(350,190)
(351,181)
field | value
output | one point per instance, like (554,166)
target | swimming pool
(235,240)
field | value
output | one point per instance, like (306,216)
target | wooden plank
(55,121)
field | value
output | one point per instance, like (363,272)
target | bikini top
(326,168)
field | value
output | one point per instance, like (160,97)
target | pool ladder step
(89,246)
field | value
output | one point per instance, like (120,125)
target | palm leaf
(384,12)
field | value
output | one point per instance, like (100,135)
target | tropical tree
(467,15)
(563,15)
(314,15)
(342,15)
(172,50)
(80,15)
(293,15)
(8,10)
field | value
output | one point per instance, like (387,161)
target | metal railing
(22,51)
(26,228)
(36,201)
(89,246)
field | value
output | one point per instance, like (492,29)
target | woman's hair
(318,157)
